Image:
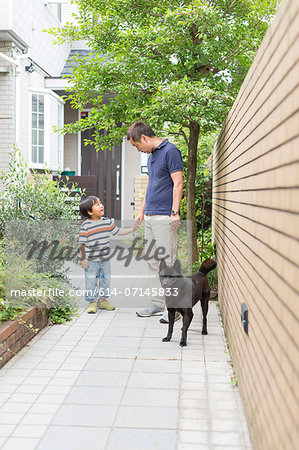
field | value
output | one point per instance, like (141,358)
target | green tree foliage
(203,192)
(203,179)
(177,64)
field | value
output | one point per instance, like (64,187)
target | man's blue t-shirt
(164,160)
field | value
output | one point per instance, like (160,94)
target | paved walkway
(106,381)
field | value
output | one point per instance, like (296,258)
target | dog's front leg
(171,314)
(186,321)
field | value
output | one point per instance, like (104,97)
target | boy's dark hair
(137,129)
(87,204)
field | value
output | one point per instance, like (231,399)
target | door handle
(117,192)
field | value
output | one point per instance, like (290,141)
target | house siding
(30,18)
(7,108)
(5,14)
(26,19)
(255,227)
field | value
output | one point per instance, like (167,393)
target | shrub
(63,314)
(7,312)
(38,198)
(27,206)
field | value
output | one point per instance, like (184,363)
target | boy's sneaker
(151,310)
(92,308)
(164,318)
(104,304)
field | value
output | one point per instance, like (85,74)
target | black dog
(182,293)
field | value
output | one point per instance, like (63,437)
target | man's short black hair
(137,129)
(87,204)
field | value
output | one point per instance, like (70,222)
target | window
(55,8)
(38,129)
(46,114)
(143,163)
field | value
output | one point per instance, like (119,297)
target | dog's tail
(207,266)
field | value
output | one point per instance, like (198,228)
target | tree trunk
(202,220)
(190,193)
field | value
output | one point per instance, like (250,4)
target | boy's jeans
(97,280)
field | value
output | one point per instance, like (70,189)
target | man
(161,205)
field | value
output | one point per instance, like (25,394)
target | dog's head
(170,275)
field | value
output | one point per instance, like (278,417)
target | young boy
(94,240)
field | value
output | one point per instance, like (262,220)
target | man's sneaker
(104,304)
(164,318)
(151,310)
(92,308)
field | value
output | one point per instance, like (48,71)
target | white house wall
(18,131)
(27,80)
(7,98)
(30,18)
(5,13)
(23,22)
(67,11)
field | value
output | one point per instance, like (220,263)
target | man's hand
(175,222)
(136,225)
(138,221)
(84,264)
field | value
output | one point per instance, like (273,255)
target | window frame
(47,124)
(49,4)
(38,129)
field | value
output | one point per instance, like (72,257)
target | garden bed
(15,334)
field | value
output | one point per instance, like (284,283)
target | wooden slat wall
(256,230)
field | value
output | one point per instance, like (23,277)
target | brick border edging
(14,336)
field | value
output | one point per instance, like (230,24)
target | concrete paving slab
(147,417)
(86,415)
(91,395)
(78,438)
(131,439)
(18,443)
(150,397)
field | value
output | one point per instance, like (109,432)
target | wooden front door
(105,165)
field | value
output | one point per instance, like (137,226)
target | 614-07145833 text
(140,292)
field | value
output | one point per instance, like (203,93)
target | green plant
(35,198)
(233,376)
(36,208)
(234,381)
(213,279)
(203,179)
(7,312)
(62,314)
(29,327)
